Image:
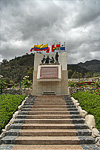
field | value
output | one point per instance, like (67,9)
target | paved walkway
(48,123)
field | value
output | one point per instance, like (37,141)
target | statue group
(48,60)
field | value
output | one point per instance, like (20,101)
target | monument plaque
(49,73)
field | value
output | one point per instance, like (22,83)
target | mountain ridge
(93,65)
(18,67)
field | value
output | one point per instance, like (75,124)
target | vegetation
(8,105)
(91,87)
(14,70)
(26,82)
(90,103)
(75,71)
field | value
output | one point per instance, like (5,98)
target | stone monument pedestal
(50,78)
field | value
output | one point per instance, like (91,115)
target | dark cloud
(28,22)
(89,12)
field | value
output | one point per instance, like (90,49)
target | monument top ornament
(51,60)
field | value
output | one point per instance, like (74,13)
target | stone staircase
(48,123)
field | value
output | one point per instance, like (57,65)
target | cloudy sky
(28,22)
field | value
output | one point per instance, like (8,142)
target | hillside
(93,65)
(76,68)
(17,68)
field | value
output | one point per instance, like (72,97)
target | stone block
(90,121)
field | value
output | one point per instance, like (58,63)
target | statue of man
(52,60)
(56,57)
(43,60)
(47,60)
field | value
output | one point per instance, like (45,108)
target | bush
(8,105)
(90,103)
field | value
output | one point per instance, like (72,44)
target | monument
(50,74)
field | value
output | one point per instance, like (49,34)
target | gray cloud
(89,12)
(28,22)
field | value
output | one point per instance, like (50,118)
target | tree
(70,72)
(4,61)
(30,73)
(75,75)
(88,74)
(96,74)
(26,82)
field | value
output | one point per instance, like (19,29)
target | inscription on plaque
(48,72)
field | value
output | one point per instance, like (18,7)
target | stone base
(59,87)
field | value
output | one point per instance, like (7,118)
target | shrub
(90,103)
(8,105)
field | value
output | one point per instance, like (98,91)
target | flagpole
(65,47)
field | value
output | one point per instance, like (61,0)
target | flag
(62,47)
(44,47)
(37,47)
(48,50)
(52,48)
(32,49)
(57,45)
(55,48)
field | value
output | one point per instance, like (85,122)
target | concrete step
(48,126)
(50,147)
(28,103)
(49,121)
(64,103)
(48,132)
(49,100)
(49,109)
(47,112)
(49,116)
(49,103)
(32,109)
(47,140)
(49,106)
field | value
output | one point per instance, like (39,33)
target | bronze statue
(47,60)
(52,60)
(43,60)
(56,57)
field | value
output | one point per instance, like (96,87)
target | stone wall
(23,91)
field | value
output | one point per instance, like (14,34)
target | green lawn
(90,103)
(8,105)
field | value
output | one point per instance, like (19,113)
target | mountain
(17,68)
(75,68)
(93,65)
